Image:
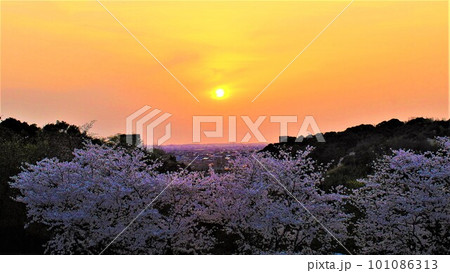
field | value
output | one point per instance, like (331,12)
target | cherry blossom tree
(406,203)
(114,199)
(281,206)
(87,201)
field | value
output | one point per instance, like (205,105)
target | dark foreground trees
(22,143)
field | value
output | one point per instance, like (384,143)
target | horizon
(233,143)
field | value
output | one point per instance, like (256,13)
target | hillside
(352,151)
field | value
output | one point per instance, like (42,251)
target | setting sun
(220,93)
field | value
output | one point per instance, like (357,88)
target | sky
(73,61)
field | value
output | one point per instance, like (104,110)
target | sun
(220,93)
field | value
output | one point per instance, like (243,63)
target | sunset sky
(73,61)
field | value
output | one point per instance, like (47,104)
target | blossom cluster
(406,203)
(113,199)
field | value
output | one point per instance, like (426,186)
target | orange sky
(72,61)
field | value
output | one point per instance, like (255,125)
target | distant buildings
(215,156)
(133,139)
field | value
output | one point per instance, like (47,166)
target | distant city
(216,156)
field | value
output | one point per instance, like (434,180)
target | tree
(88,201)
(23,143)
(406,203)
(266,216)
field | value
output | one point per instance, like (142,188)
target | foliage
(20,143)
(352,151)
(281,195)
(79,193)
(23,143)
(406,203)
(87,201)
